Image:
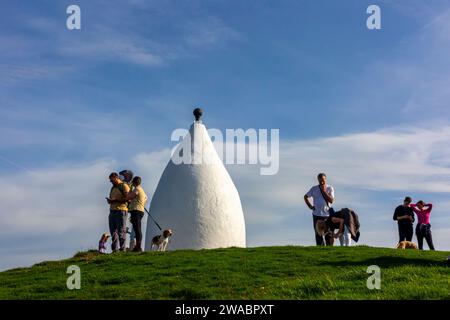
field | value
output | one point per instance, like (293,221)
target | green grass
(255,273)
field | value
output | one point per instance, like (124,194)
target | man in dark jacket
(404,215)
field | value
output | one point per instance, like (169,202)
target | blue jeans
(117,223)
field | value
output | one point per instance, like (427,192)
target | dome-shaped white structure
(197,200)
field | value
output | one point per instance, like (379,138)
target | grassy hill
(255,273)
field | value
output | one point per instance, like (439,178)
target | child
(423,228)
(102,243)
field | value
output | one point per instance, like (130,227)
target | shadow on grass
(387,262)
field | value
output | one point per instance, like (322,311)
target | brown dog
(406,245)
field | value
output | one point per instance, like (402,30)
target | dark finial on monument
(198,113)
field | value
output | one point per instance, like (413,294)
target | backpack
(121,189)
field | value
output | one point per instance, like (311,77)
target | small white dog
(160,242)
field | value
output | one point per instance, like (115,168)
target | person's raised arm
(329,198)
(414,208)
(308,203)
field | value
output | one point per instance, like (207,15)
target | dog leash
(159,227)
(152,218)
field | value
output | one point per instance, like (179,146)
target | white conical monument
(197,199)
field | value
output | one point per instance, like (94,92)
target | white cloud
(55,200)
(397,159)
(15,73)
(389,160)
(106,45)
(106,39)
(419,71)
(210,31)
(150,167)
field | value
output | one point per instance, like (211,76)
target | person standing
(423,227)
(118,210)
(323,197)
(127,176)
(138,200)
(404,216)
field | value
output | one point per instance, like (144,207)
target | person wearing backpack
(118,211)
(323,197)
(138,199)
(127,176)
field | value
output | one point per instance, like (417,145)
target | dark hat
(123,172)
(127,172)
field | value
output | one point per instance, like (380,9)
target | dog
(102,243)
(322,229)
(406,245)
(160,242)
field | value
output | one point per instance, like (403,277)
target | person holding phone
(404,216)
(323,197)
(118,211)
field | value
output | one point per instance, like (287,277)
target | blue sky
(368,107)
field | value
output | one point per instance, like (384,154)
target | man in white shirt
(323,197)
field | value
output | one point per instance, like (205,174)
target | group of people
(126,196)
(326,220)
(404,215)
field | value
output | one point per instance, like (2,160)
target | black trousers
(320,239)
(136,218)
(117,222)
(424,231)
(405,232)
